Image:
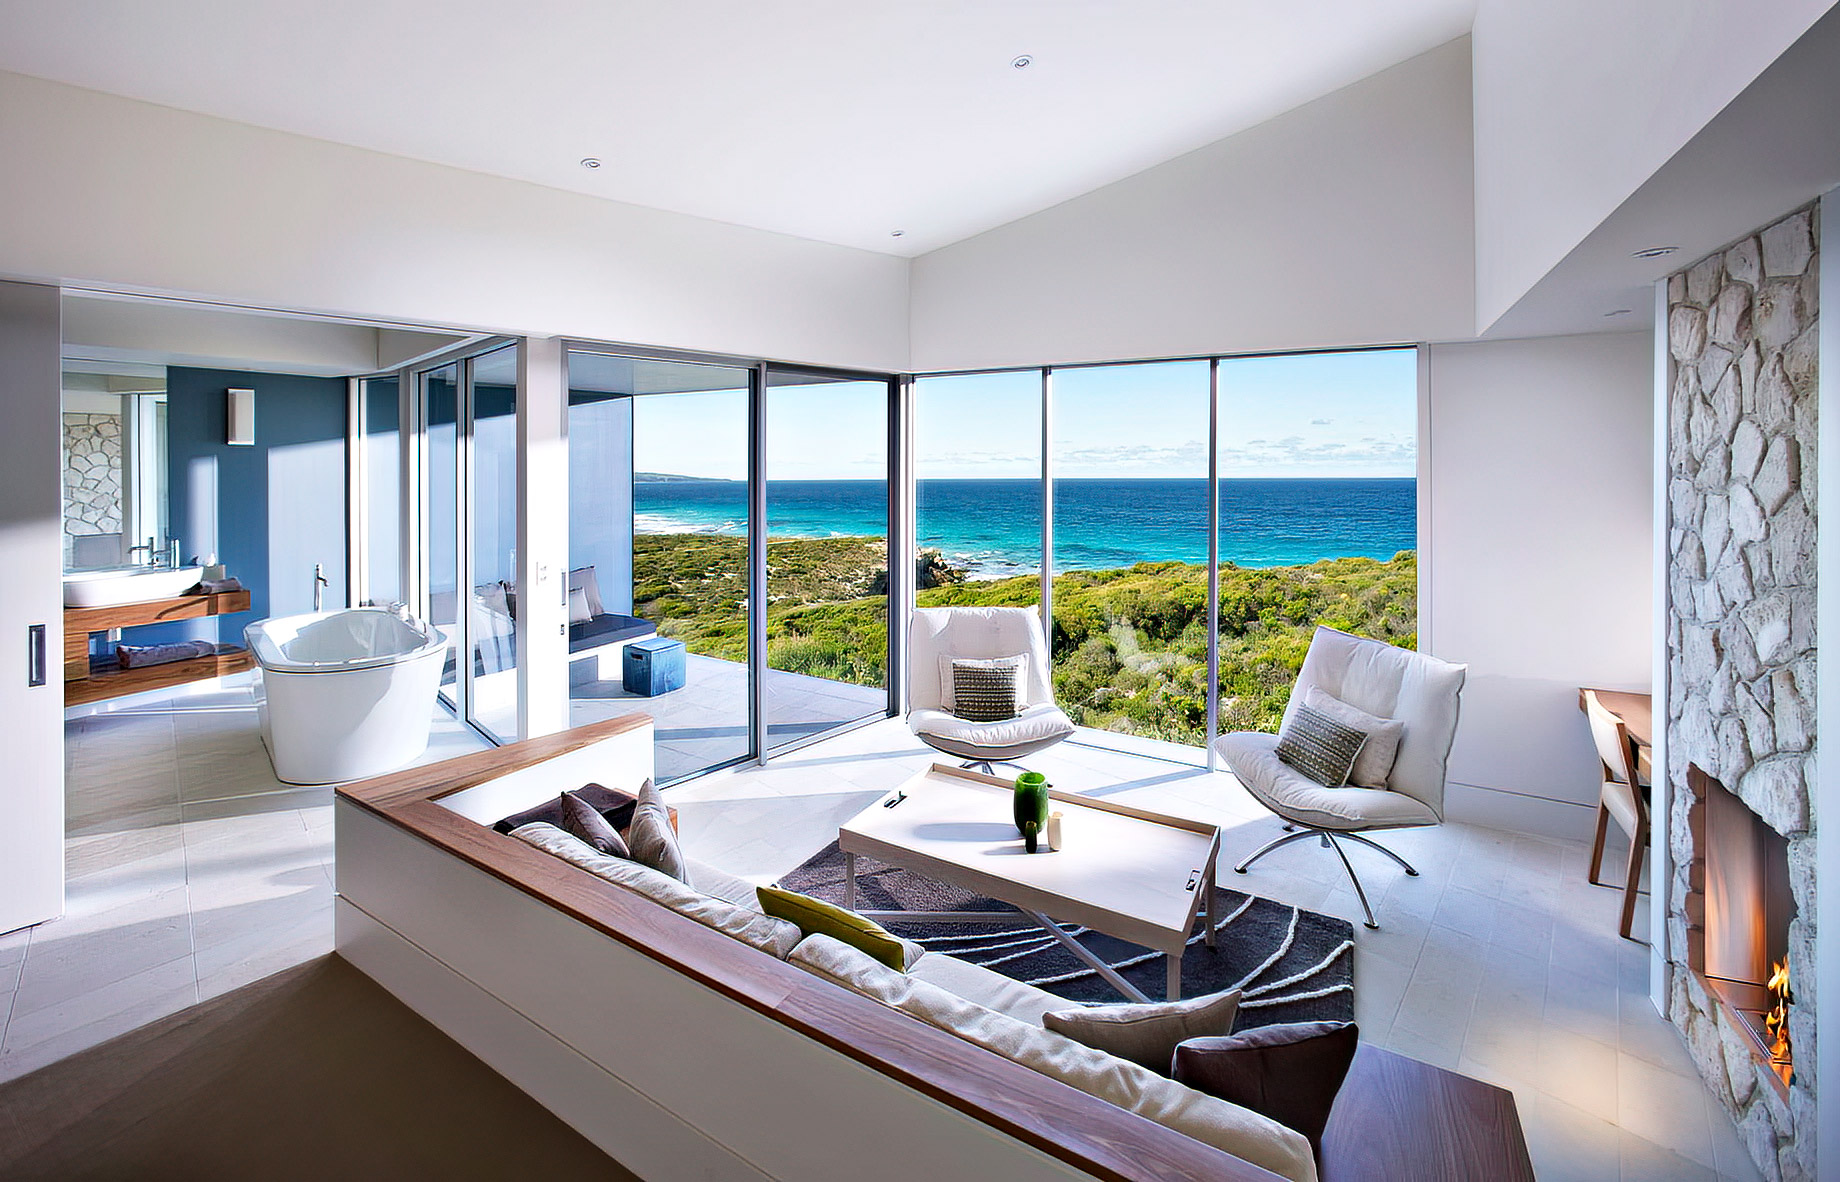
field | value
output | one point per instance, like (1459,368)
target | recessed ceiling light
(1021,62)
(896,233)
(1618,312)
(1653,252)
(590,162)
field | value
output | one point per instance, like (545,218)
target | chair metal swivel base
(1330,839)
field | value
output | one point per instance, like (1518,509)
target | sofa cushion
(1226,1126)
(713,880)
(1147,1033)
(987,988)
(816,916)
(1039,724)
(1289,1072)
(588,823)
(1254,762)
(1375,760)
(750,927)
(650,837)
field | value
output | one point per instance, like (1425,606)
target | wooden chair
(1623,796)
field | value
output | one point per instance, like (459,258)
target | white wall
(229,212)
(31,719)
(1344,222)
(1536,560)
(1578,102)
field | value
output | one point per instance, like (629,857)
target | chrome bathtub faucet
(319,580)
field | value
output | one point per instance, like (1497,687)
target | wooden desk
(1638,714)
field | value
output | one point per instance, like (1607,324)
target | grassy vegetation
(1130,645)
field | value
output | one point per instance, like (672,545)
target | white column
(31,594)
(543,537)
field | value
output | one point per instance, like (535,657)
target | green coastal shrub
(1130,645)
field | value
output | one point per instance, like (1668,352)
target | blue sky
(1325,414)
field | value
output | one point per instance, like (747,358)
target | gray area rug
(1292,965)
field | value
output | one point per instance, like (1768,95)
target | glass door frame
(898,479)
(900,573)
(415,497)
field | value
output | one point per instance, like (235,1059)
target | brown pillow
(1289,1073)
(650,837)
(1146,1033)
(585,821)
(615,805)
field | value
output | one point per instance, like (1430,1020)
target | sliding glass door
(440,549)
(658,552)
(466,531)
(826,494)
(490,504)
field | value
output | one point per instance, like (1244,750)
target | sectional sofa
(692,1037)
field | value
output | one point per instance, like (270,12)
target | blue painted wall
(268,512)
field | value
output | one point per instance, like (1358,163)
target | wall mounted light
(240,418)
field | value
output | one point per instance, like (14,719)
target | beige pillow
(1147,1033)
(650,837)
(770,935)
(1374,763)
(1224,1125)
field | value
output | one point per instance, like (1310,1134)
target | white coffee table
(1139,876)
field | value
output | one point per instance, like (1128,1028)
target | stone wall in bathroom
(92,477)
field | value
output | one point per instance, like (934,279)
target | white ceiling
(836,120)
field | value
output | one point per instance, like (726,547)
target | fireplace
(1739,908)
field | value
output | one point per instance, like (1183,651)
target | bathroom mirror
(114,465)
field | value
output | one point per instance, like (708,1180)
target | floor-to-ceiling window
(826,470)
(978,488)
(1318,515)
(658,547)
(1129,462)
(1316,503)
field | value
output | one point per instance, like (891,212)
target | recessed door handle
(35,655)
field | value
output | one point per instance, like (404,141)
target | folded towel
(136,656)
(217,586)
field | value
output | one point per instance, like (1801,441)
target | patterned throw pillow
(1319,747)
(985,691)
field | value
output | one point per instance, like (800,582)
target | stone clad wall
(1742,336)
(92,476)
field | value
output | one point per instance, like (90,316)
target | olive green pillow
(816,917)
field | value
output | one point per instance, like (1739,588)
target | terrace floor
(194,871)
(706,722)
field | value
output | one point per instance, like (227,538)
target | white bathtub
(345,694)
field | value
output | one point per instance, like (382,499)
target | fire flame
(1776,1022)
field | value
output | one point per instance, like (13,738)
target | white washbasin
(110,585)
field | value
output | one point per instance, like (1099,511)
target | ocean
(992,528)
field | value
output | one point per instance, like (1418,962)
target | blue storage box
(653,666)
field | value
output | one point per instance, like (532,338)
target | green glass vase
(1031,807)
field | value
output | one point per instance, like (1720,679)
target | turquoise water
(993,527)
